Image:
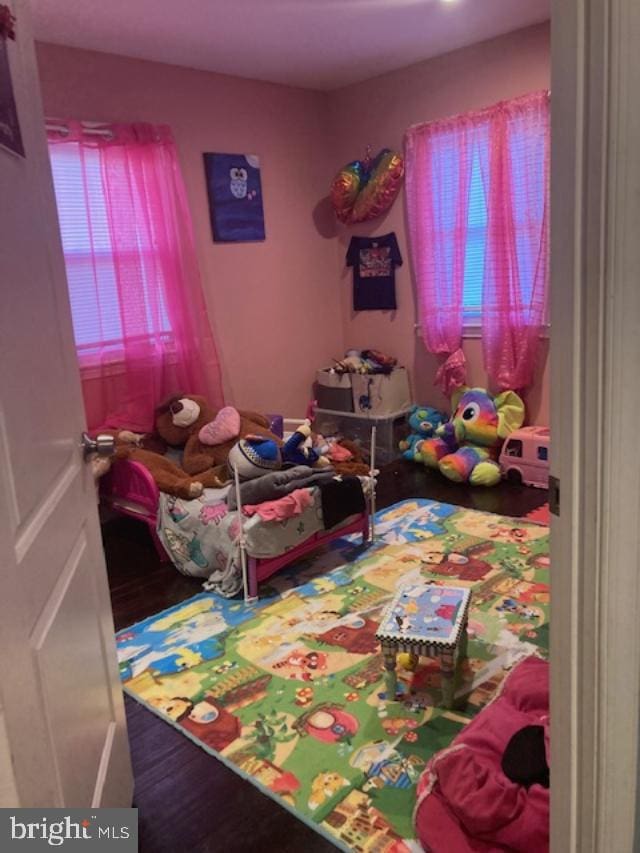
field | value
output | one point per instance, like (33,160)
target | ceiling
(317,44)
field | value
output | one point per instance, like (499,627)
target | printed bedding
(201,536)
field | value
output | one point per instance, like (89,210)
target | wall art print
(235,197)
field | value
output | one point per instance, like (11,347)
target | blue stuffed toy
(424,421)
(298,449)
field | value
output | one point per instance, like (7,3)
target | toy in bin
(525,456)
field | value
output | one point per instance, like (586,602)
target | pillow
(224,427)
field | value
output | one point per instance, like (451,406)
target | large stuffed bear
(466,448)
(168,476)
(424,421)
(207,436)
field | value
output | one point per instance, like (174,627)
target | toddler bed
(129,489)
(228,550)
(205,539)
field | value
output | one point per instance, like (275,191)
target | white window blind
(525,222)
(96,307)
(476,243)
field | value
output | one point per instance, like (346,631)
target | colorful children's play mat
(289,692)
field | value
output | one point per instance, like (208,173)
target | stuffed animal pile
(254,456)
(466,448)
(205,436)
(214,442)
(364,361)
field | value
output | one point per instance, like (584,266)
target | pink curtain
(438,174)
(140,319)
(509,143)
(515,171)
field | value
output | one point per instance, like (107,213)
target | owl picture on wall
(235,197)
(238,184)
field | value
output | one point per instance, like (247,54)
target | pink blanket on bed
(288,506)
(465,802)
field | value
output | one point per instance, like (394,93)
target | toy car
(525,457)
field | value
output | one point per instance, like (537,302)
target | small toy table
(430,621)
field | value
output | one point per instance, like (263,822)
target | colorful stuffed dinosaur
(424,421)
(466,447)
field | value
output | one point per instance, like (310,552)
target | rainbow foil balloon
(364,189)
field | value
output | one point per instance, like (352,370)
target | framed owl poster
(235,197)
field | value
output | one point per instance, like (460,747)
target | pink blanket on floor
(465,802)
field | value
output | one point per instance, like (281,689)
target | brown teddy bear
(207,434)
(169,477)
(180,422)
(149,451)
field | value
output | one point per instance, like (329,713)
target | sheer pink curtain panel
(515,171)
(509,144)
(140,319)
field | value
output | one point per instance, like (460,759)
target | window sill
(117,365)
(473,331)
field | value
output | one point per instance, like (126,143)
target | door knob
(102,445)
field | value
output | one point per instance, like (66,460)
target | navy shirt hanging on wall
(374,260)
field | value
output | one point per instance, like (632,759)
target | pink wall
(273,317)
(283,307)
(377,113)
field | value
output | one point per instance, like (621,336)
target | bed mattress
(202,536)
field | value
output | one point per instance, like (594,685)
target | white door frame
(595,399)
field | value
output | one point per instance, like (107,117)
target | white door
(595,399)
(61,708)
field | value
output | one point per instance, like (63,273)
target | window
(514,448)
(477,213)
(97,307)
(476,236)
(139,318)
(543,453)
(475,248)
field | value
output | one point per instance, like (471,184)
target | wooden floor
(188,800)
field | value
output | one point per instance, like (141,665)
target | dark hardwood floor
(188,800)
(402,479)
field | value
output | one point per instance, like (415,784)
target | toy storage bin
(380,393)
(333,391)
(390,429)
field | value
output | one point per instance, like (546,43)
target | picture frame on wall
(234,188)
(10,135)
